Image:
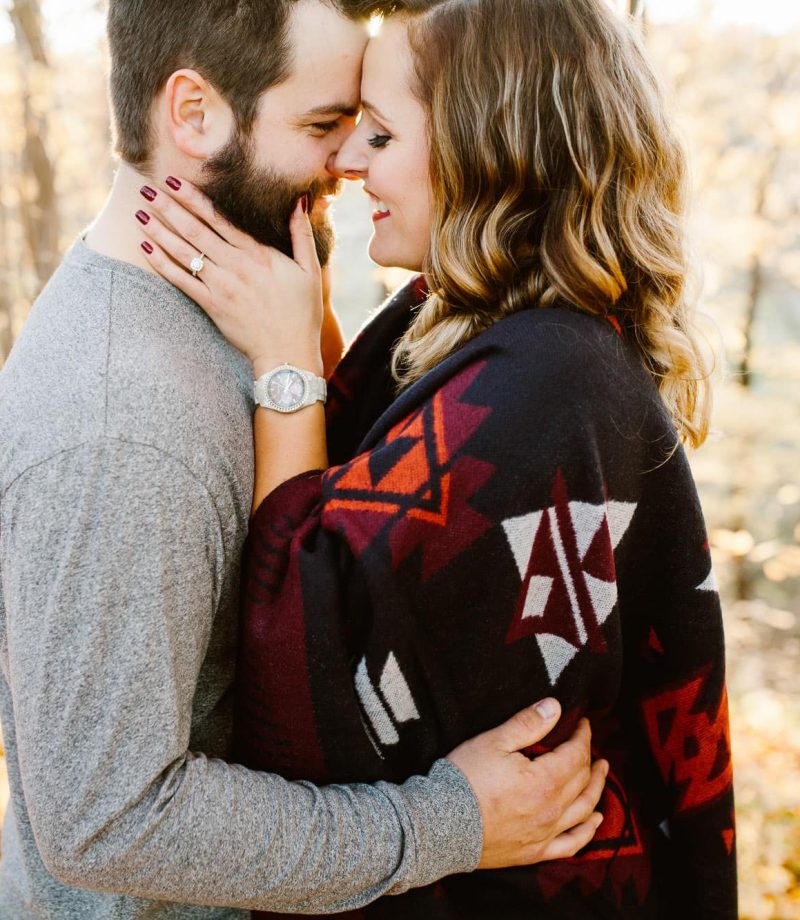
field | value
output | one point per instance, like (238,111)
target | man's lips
(323,198)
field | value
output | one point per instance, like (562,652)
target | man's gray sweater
(125,487)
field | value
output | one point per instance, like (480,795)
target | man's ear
(197,118)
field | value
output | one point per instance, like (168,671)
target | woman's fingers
(303,246)
(173,273)
(174,245)
(194,232)
(200,205)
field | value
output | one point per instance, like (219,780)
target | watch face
(286,389)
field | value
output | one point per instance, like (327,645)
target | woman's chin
(388,258)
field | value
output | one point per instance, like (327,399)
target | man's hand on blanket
(533,810)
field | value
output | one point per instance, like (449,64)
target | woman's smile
(381,212)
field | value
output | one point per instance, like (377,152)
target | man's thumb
(528,726)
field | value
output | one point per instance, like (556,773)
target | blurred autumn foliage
(736,95)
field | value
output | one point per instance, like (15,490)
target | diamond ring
(197,264)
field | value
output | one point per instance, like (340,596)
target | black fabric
(517,524)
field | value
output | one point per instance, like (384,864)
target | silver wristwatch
(288,389)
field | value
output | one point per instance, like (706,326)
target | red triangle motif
(654,642)
(599,558)
(557,618)
(409,474)
(410,428)
(436,517)
(728,837)
(358,478)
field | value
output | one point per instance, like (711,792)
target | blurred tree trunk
(38,205)
(768,160)
(756,280)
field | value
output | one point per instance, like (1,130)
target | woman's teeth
(381,208)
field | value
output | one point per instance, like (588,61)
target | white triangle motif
(587,520)
(603,595)
(373,707)
(396,691)
(620,515)
(521,532)
(557,654)
(537,596)
(710,584)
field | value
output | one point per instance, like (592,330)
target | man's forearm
(216,834)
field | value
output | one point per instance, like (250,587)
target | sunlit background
(732,71)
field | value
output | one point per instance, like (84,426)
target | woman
(503,508)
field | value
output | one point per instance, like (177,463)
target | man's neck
(115,232)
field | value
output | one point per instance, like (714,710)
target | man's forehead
(325,61)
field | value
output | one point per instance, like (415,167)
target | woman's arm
(268,306)
(332,339)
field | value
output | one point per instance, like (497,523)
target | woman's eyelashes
(379,140)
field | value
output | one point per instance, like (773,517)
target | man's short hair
(240,46)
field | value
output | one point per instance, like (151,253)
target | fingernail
(173,183)
(547,709)
(149,193)
(304,204)
(143,217)
(147,247)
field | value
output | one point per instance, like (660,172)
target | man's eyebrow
(374,110)
(336,108)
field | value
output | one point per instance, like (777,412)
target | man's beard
(260,202)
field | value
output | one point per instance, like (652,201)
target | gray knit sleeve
(112,556)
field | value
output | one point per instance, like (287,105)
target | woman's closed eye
(379,140)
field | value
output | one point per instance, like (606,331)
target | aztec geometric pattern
(416,483)
(392,695)
(616,857)
(565,558)
(689,738)
(450,511)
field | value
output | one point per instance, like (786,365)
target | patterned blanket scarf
(517,524)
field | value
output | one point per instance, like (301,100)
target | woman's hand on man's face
(267,305)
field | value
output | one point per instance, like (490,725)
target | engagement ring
(197,264)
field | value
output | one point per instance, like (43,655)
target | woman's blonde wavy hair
(556,179)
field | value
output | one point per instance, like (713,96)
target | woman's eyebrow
(374,110)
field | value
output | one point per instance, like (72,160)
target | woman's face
(389,151)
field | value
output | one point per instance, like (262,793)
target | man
(125,488)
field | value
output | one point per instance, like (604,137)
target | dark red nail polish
(304,204)
(147,247)
(148,193)
(173,183)
(143,217)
